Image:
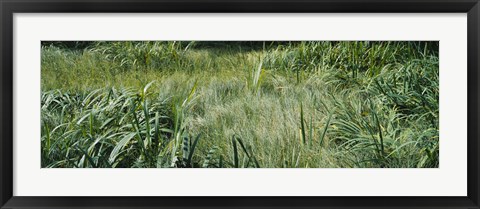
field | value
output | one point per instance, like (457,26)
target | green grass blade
(302,124)
(192,149)
(235,152)
(186,148)
(148,139)
(120,145)
(155,139)
(382,148)
(322,138)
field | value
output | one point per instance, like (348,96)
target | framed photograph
(239,104)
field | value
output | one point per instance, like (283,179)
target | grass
(315,104)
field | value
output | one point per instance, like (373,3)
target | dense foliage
(240,104)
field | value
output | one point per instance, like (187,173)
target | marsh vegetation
(312,104)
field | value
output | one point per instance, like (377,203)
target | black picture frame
(9,7)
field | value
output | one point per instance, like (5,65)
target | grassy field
(171,104)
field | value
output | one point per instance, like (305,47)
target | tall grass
(237,105)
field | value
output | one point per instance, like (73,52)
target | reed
(147,104)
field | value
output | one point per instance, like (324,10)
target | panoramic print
(239,104)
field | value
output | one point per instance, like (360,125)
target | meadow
(240,104)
